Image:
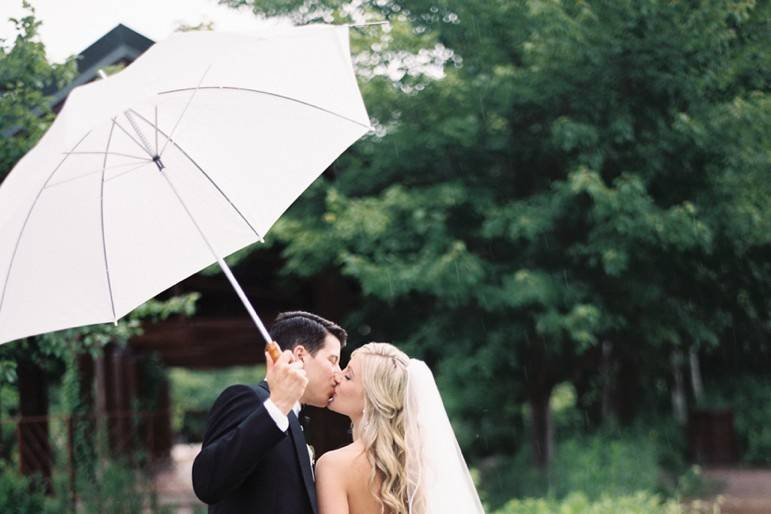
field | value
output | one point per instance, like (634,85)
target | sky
(70,26)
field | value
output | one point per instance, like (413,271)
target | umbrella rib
(133,165)
(109,153)
(156,130)
(125,172)
(213,183)
(26,220)
(283,97)
(133,124)
(101,213)
(187,105)
(131,137)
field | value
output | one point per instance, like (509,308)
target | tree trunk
(543,428)
(679,405)
(628,389)
(696,382)
(607,380)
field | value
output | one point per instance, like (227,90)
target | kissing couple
(404,458)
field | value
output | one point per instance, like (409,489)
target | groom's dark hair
(298,327)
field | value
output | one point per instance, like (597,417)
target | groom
(254,457)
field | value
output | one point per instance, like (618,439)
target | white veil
(439,480)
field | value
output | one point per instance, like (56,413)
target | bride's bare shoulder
(342,481)
(333,481)
(341,459)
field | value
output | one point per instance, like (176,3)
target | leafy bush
(502,478)
(578,503)
(118,489)
(600,465)
(193,393)
(693,484)
(115,488)
(750,399)
(18,494)
(607,463)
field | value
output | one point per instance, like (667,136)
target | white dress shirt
(282,422)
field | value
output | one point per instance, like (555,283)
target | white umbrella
(148,176)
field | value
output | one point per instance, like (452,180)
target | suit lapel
(302,457)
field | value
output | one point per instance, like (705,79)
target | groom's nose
(337,377)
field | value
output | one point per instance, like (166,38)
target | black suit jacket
(246,464)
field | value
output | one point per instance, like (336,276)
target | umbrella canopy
(148,176)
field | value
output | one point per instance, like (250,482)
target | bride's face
(349,393)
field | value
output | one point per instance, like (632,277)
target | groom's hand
(286,379)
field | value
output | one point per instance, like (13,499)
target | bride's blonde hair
(383,369)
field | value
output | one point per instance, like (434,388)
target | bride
(404,458)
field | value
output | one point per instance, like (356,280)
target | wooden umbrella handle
(273,350)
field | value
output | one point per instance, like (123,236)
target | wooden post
(35,457)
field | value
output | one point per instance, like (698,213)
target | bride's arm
(330,484)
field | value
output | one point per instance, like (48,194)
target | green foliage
(9,405)
(600,466)
(749,398)
(596,466)
(577,503)
(693,484)
(194,392)
(7,372)
(25,76)
(117,489)
(546,175)
(18,494)
(120,489)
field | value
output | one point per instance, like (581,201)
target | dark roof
(121,38)
(121,44)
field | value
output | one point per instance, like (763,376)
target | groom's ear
(299,352)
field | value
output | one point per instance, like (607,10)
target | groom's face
(322,370)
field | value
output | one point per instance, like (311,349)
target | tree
(582,172)
(26,81)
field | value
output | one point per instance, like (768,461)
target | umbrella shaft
(244,299)
(223,265)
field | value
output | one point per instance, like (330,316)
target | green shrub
(749,397)
(502,478)
(693,484)
(193,393)
(19,494)
(597,465)
(578,503)
(9,407)
(601,465)
(118,489)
